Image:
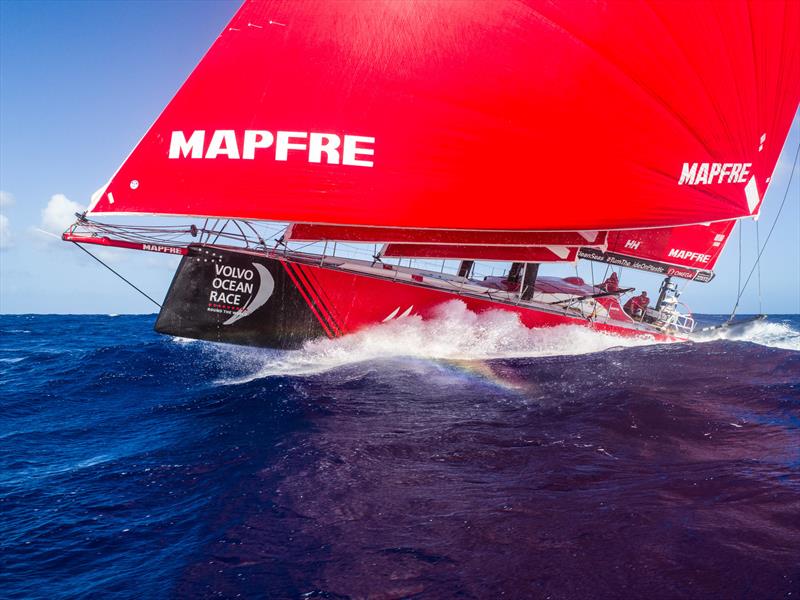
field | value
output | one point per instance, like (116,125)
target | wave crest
(764,333)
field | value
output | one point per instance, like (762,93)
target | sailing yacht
(518,132)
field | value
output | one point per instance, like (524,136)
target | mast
(528,280)
(465,268)
(666,287)
(514,272)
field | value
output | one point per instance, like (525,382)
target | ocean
(460,458)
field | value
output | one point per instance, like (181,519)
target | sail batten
(513,115)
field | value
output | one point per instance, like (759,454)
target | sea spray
(454,333)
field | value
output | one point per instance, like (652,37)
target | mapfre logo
(252,144)
(689,255)
(162,249)
(704,173)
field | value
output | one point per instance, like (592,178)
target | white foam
(454,333)
(764,333)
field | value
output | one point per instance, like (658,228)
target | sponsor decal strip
(641,264)
(309,302)
(312,292)
(314,284)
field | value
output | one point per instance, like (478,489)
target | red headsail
(697,246)
(468,114)
(693,249)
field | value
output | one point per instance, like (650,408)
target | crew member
(636,306)
(611,284)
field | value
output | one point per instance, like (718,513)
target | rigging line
(758,245)
(117,274)
(769,235)
(219,233)
(257,234)
(739,281)
(244,237)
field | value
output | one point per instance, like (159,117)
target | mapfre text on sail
(325,148)
(703,173)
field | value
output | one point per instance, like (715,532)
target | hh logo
(632,244)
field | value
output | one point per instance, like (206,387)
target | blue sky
(80,82)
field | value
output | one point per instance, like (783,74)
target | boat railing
(684,323)
(670,320)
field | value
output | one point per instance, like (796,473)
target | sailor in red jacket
(611,284)
(636,306)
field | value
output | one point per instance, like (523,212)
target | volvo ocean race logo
(239,291)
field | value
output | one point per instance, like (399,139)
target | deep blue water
(387,466)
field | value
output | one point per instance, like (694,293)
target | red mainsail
(537,254)
(299,232)
(471,114)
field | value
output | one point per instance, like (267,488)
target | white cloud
(167,262)
(111,256)
(59,214)
(6,198)
(5,232)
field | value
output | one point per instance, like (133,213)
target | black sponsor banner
(236,297)
(641,264)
